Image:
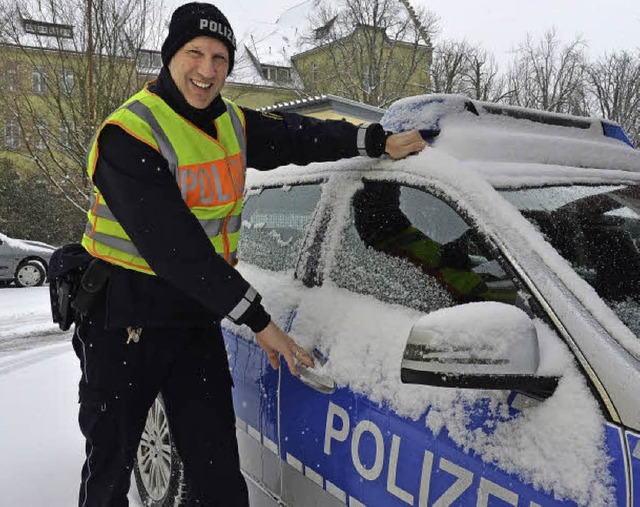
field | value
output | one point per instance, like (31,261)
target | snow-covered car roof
(507,146)
(478,131)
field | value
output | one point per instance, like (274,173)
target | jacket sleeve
(143,196)
(275,139)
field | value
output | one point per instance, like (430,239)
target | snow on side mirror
(485,345)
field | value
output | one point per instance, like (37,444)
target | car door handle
(315,380)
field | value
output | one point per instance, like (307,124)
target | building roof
(276,43)
(330,106)
(271,43)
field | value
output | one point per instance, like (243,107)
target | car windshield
(596,229)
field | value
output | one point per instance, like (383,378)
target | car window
(597,230)
(274,221)
(406,246)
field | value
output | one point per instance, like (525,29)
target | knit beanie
(192,20)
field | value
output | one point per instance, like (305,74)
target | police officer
(168,171)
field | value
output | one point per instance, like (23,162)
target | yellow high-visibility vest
(209,172)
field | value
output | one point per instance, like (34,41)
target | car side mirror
(486,345)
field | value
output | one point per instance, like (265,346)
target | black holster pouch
(75,280)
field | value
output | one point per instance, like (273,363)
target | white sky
(498,24)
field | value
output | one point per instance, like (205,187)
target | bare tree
(449,66)
(482,79)
(467,69)
(548,75)
(614,90)
(70,62)
(373,51)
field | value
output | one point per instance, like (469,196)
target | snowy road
(25,320)
(41,445)
(11,344)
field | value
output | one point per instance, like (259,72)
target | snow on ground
(20,305)
(25,319)
(42,447)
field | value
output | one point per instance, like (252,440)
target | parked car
(23,262)
(474,311)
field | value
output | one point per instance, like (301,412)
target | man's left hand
(404,143)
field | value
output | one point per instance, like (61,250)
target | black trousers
(120,382)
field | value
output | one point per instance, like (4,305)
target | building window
(11,133)
(47,29)
(370,80)
(66,132)
(11,77)
(67,81)
(41,128)
(149,60)
(38,78)
(283,75)
(276,74)
(314,73)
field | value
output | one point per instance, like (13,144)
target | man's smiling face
(199,69)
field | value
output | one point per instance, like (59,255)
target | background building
(67,64)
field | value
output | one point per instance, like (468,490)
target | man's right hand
(274,340)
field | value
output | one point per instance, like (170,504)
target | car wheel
(158,470)
(30,274)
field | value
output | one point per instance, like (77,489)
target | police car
(474,311)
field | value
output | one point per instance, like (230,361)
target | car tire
(30,274)
(158,470)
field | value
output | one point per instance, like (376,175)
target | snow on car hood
(27,245)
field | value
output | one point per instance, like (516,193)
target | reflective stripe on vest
(209,172)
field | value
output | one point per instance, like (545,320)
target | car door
(397,252)
(4,265)
(633,442)
(8,258)
(275,221)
